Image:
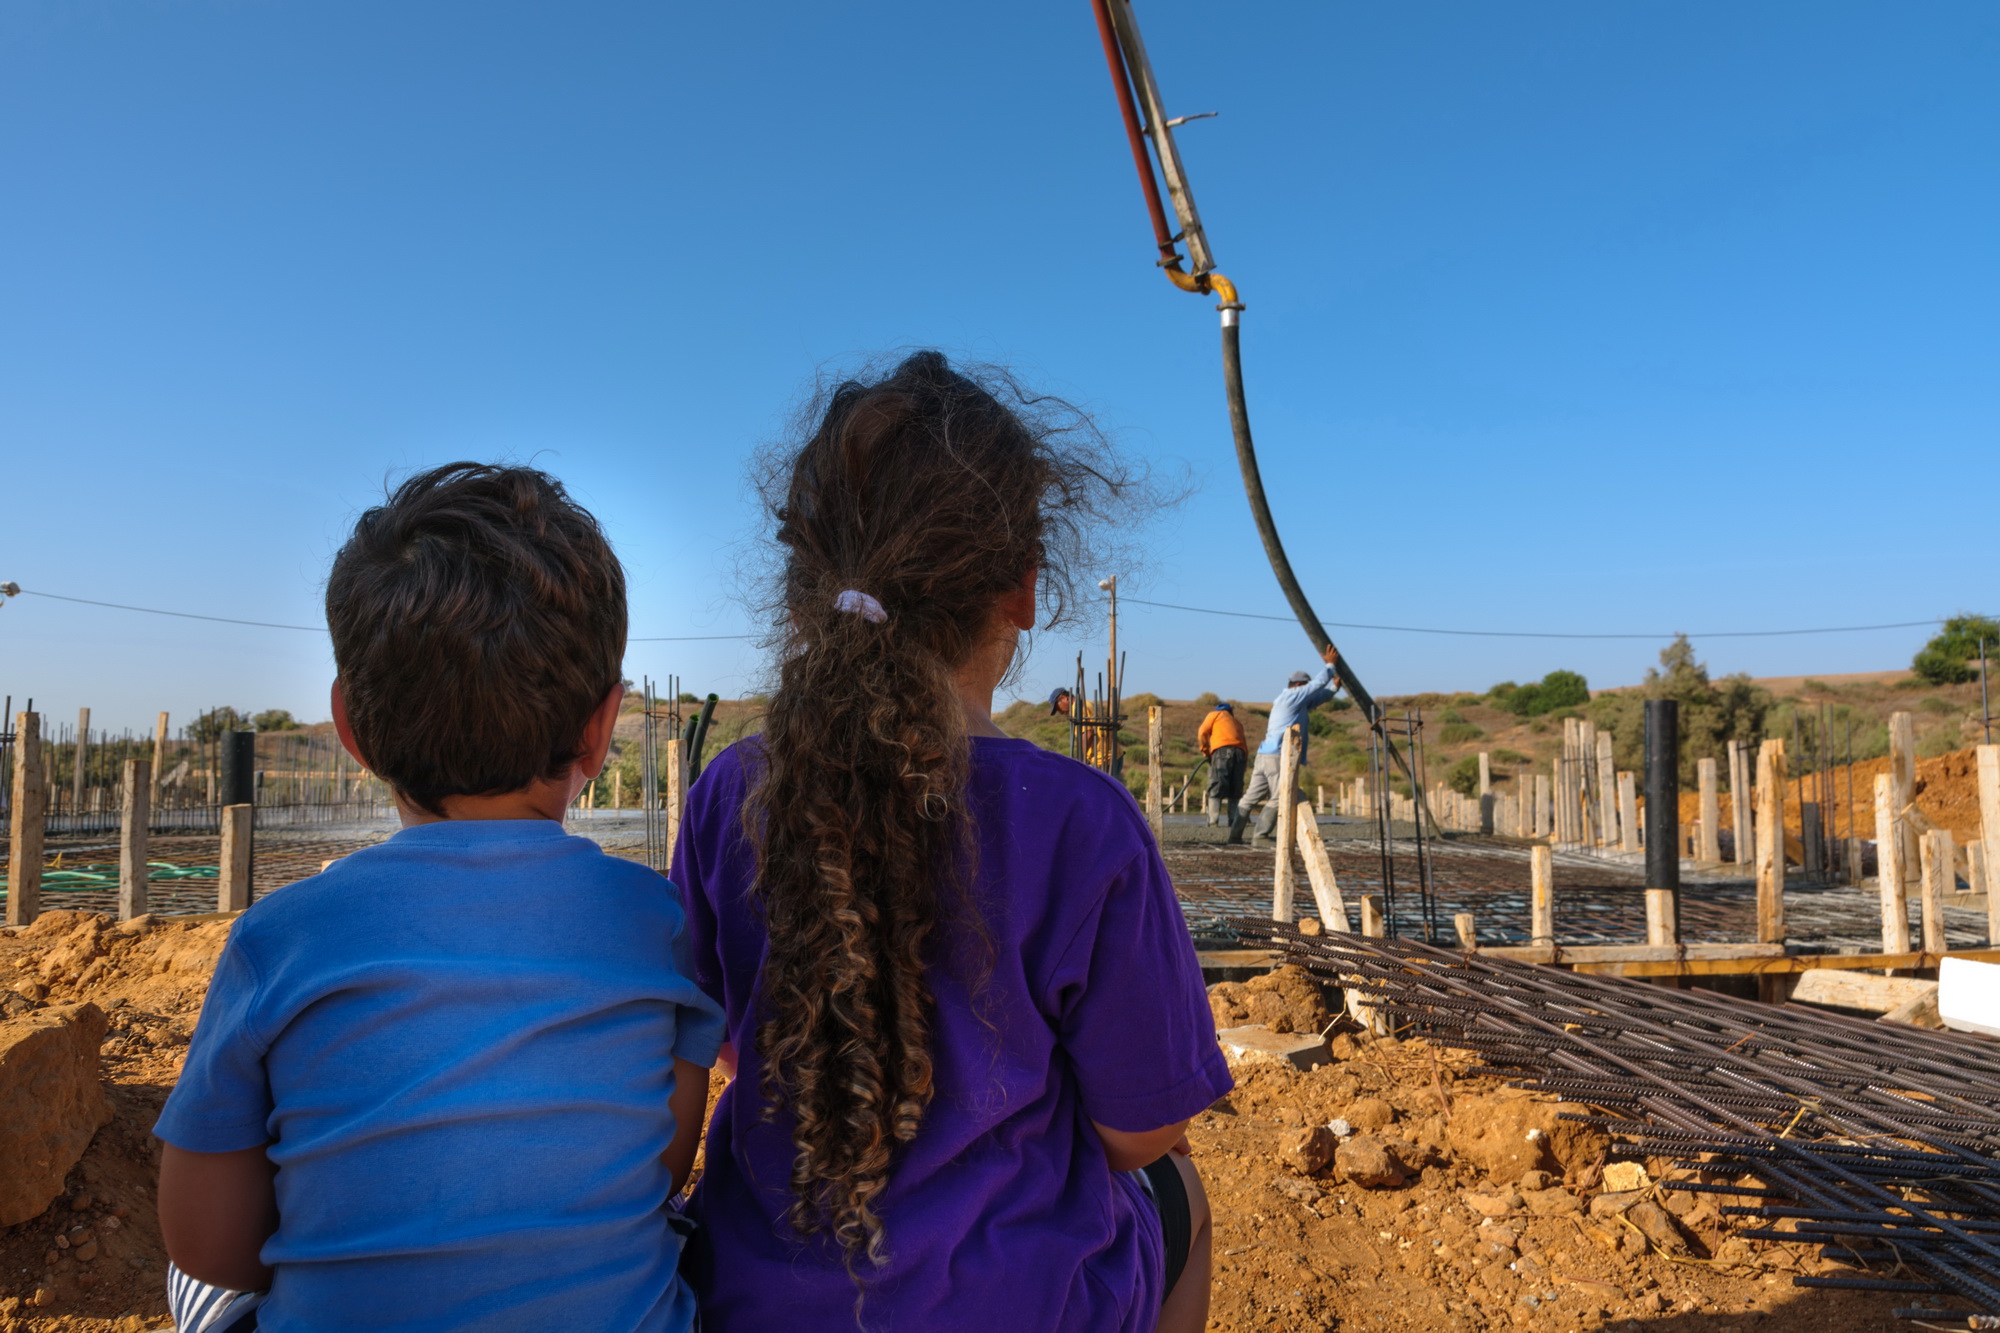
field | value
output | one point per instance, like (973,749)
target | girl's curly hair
(934,494)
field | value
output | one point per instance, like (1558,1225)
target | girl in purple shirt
(968,1020)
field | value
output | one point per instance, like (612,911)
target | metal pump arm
(1125,54)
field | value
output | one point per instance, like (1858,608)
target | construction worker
(1221,739)
(1060,701)
(1303,693)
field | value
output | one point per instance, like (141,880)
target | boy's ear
(345,731)
(598,730)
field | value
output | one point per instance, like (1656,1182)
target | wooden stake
(1319,872)
(1711,813)
(1542,903)
(1371,915)
(159,755)
(675,797)
(26,823)
(617,789)
(76,760)
(1989,834)
(1936,858)
(1156,793)
(1660,929)
(1544,827)
(1468,938)
(1628,812)
(1771,848)
(1739,804)
(232,892)
(1889,868)
(1281,870)
(1485,773)
(1903,773)
(137,814)
(1607,783)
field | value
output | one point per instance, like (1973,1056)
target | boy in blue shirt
(451,1082)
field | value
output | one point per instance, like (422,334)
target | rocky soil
(1386,1189)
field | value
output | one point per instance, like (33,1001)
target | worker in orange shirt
(1221,739)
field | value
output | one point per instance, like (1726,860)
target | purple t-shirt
(1003,1213)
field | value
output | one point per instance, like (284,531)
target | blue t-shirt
(459,1046)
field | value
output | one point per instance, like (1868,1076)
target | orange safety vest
(1218,729)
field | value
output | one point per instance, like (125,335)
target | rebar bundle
(1882,1142)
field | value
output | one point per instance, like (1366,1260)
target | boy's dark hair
(477,618)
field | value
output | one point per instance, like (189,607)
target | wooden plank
(1888,865)
(1281,869)
(1850,989)
(1711,814)
(1628,812)
(1632,953)
(26,822)
(232,890)
(1770,849)
(1371,915)
(1542,901)
(1935,874)
(1797,963)
(1319,871)
(1662,922)
(135,816)
(1156,800)
(1468,936)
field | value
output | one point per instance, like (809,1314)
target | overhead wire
(321,629)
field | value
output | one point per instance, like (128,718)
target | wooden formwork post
(1286,797)
(26,823)
(1989,835)
(1485,773)
(1936,858)
(1371,915)
(1468,936)
(1771,847)
(1156,794)
(1739,804)
(1319,872)
(1711,813)
(232,892)
(1628,812)
(159,755)
(1889,868)
(136,814)
(1542,895)
(674,798)
(1320,807)
(1903,774)
(1590,801)
(1544,826)
(77,773)
(1607,783)
(1661,928)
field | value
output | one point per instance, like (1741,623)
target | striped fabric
(200,1308)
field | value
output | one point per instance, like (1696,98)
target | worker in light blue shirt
(1303,693)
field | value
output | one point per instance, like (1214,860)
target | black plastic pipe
(1663,800)
(238,785)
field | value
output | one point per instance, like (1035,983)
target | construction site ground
(1296,1249)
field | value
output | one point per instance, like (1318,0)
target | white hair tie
(860,604)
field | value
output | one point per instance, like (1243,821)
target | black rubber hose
(698,737)
(1260,510)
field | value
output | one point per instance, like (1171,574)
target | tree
(1952,655)
(209,727)
(1712,713)
(1558,689)
(275,719)
(1463,776)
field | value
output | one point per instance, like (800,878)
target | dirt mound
(93,1263)
(1947,790)
(1463,1204)
(1285,1000)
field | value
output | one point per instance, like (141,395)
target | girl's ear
(1018,606)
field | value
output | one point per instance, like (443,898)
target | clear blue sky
(1584,317)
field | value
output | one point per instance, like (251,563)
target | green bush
(275,719)
(1463,777)
(1558,689)
(1458,733)
(1933,704)
(1940,740)
(1952,655)
(1509,757)
(1207,700)
(209,726)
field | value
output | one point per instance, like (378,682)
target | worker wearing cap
(1221,739)
(1303,693)
(1060,700)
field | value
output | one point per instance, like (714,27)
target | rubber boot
(1236,827)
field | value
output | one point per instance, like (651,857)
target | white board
(1969,996)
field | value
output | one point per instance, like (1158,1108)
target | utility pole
(1110,585)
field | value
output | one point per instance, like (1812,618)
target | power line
(315,629)
(1540,634)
